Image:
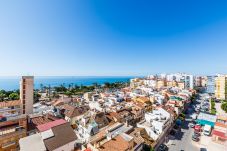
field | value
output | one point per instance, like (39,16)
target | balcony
(15,135)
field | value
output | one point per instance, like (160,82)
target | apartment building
(187,79)
(115,137)
(221,87)
(9,109)
(210,84)
(11,130)
(13,116)
(156,122)
(27,94)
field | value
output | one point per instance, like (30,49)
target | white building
(156,122)
(182,77)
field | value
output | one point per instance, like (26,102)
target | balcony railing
(16,134)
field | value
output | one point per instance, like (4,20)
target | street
(182,139)
(218,109)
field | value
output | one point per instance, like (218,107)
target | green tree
(224,107)
(14,96)
(2,95)
(69,93)
(37,96)
(107,85)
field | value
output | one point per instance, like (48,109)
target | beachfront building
(221,87)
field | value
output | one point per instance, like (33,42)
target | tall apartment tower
(26,94)
(221,87)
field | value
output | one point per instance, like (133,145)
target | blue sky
(114,37)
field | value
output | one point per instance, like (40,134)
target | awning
(219,134)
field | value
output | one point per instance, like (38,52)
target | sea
(12,83)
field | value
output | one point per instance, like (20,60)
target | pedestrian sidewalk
(206,142)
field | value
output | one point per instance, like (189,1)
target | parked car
(195,138)
(196,133)
(198,128)
(163,147)
(207,130)
(172,132)
(192,125)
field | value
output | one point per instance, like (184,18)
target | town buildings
(123,119)
(13,116)
(219,133)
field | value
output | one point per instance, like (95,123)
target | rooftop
(63,134)
(33,142)
(9,103)
(208,117)
(49,125)
(118,143)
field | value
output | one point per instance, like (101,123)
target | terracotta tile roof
(220,134)
(222,117)
(49,125)
(169,109)
(138,139)
(72,111)
(101,119)
(58,103)
(9,103)
(120,115)
(40,120)
(63,134)
(221,125)
(116,144)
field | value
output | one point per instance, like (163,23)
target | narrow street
(182,140)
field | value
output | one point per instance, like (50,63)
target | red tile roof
(220,134)
(116,144)
(49,125)
(221,125)
(9,103)
(40,120)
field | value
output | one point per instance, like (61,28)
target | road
(218,109)
(182,139)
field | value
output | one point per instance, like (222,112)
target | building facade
(210,84)
(221,87)
(27,94)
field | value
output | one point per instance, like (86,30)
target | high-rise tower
(26,94)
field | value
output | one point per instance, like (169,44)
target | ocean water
(12,83)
